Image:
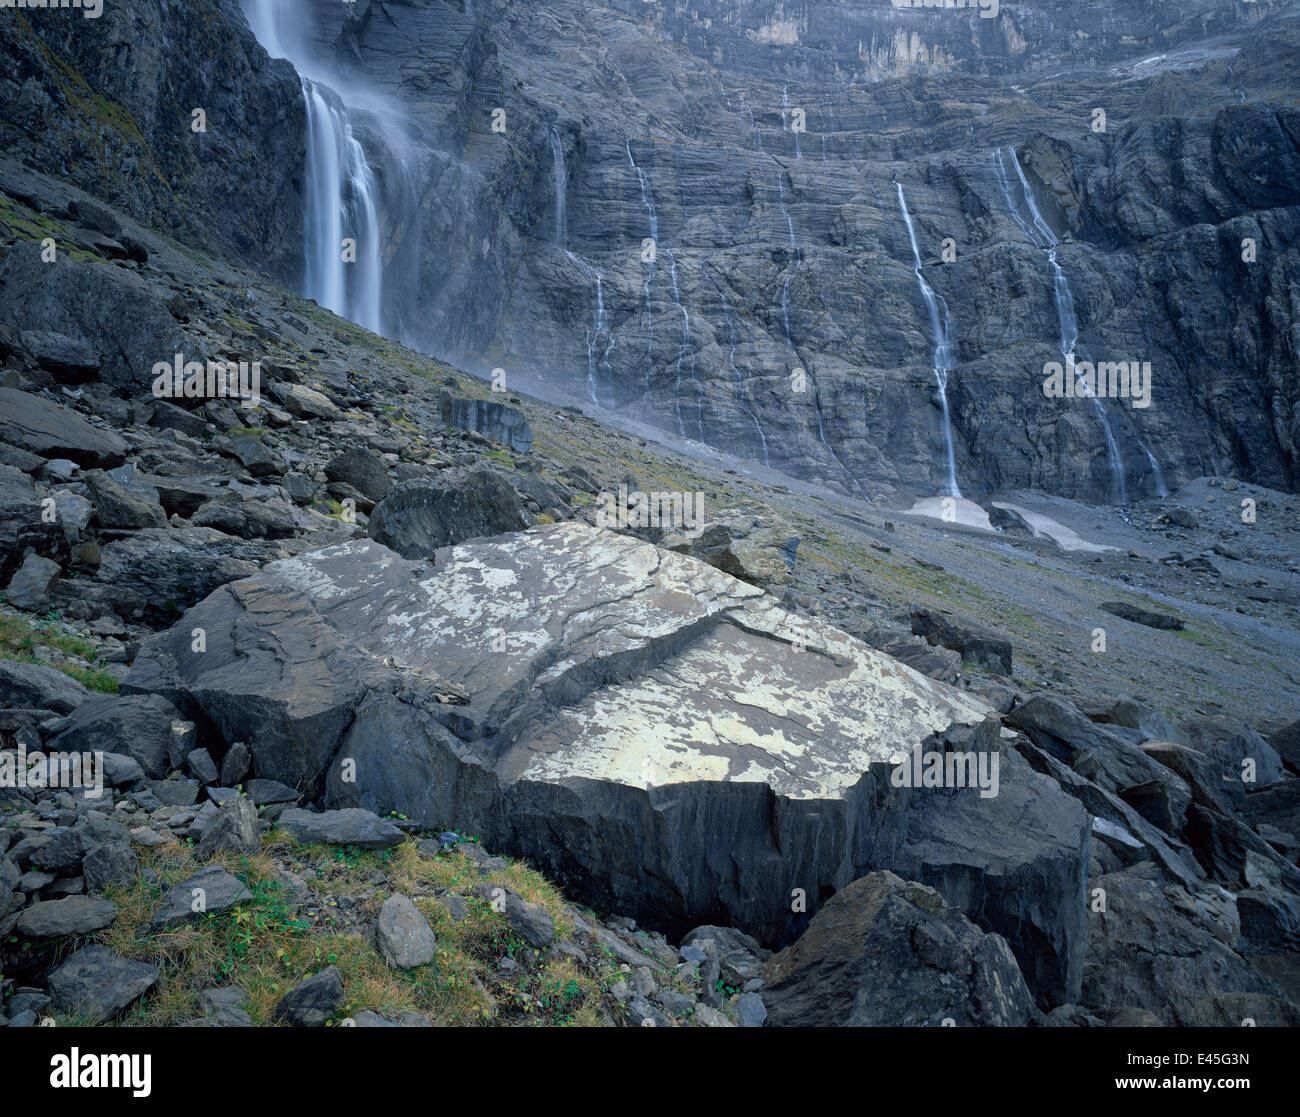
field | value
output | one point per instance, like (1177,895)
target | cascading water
(735,372)
(685,350)
(786,110)
(647,200)
(1162,490)
(1041,236)
(561,189)
(598,364)
(342,196)
(939,324)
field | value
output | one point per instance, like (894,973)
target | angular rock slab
(659,737)
(98,983)
(208,892)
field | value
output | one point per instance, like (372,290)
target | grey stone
(31,684)
(109,863)
(29,589)
(234,829)
(529,920)
(403,934)
(75,915)
(209,892)
(200,765)
(889,952)
(421,516)
(235,764)
(97,983)
(351,826)
(313,1002)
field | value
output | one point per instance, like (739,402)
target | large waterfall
(1041,236)
(341,228)
(939,324)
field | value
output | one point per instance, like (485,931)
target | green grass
(265,945)
(19,639)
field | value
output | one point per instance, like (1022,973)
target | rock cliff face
(107,104)
(692,213)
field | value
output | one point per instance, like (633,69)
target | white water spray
(1041,236)
(735,372)
(685,351)
(342,196)
(789,126)
(561,189)
(939,324)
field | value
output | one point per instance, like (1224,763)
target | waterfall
(753,128)
(600,326)
(647,200)
(939,323)
(785,109)
(597,359)
(561,189)
(735,372)
(685,349)
(1162,490)
(1041,236)
(340,203)
(342,195)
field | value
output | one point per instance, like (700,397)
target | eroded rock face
(657,736)
(886,952)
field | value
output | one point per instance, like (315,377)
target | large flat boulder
(659,737)
(33,423)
